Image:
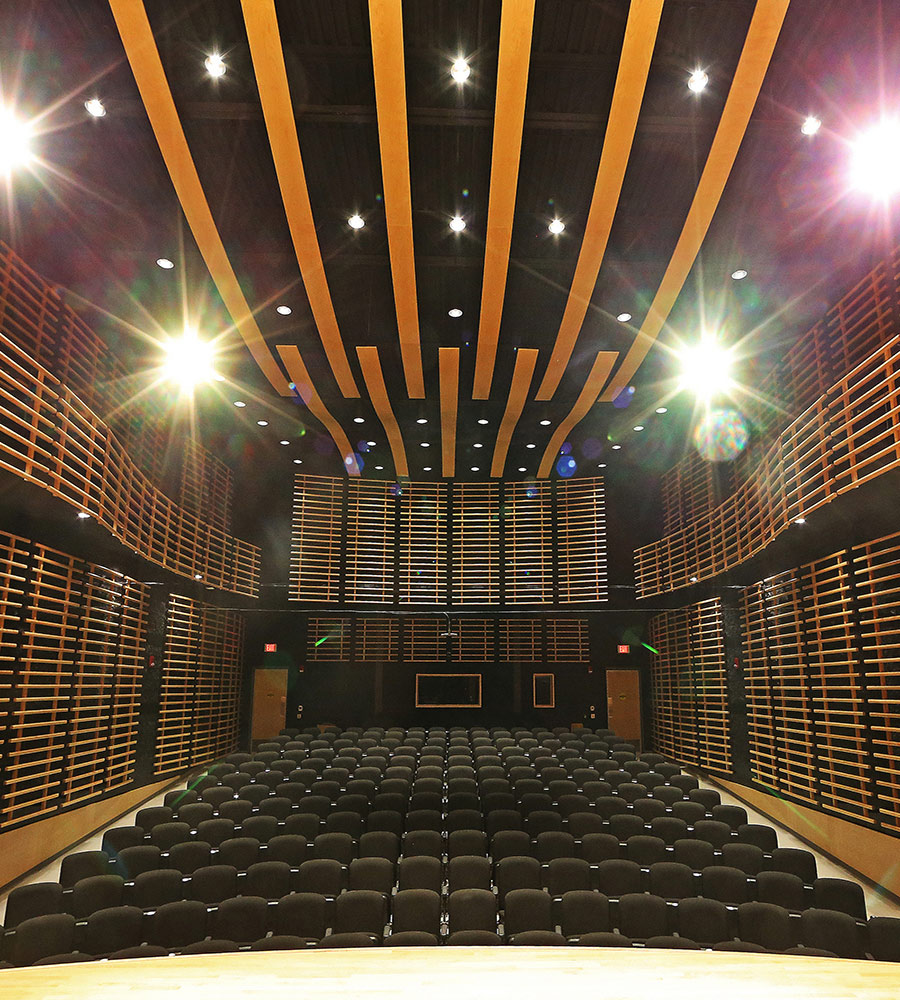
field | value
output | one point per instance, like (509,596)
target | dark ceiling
(98,206)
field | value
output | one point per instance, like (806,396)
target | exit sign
(624,649)
(270,647)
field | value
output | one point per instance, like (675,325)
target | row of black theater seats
(470,916)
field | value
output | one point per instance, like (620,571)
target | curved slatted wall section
(425,544)
(50,437)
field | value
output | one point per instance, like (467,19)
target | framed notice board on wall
(448,690)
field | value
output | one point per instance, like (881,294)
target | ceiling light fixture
(263,423)
(811,125)
(188,360)
(799,520)
(215,65)
(455,313)
(239,403)
(693,579)
(83,515)
(164,263)
(284,442)
(426,468)
(662,409)
(379,468)
(371,444)
(424,444)
(875,156)
(15,142)
(638,427)
(478,444)
(457,224)
(556,227)
(522,468)
(623,317)
(298,461)
(739,274)
(283,310)
(602,465)
(706,368)
(94,108)
(616,447)
(475,468)
(359,420)
(460,70)
(545,423)
(356,222)
(530,445)
(482,421)
(422,420)
(697,81)
(218,377)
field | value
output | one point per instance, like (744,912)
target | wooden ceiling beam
(759,45)
(386,23)
(526,359)
(374,379)
(591,390)
(516,27)
(293,362)
(631,81)
(448,366)
(267,54)
(143,56)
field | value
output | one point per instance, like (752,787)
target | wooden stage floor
(503,973)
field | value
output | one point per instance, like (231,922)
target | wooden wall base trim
(35,844)
(869,852)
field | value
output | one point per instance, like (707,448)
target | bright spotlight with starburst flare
(706,368)
(188,361)
(15,142)
(875,156)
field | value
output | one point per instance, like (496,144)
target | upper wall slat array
(366,541)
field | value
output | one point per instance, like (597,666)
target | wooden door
(269,701)
(623,696)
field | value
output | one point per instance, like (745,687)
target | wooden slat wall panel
(370,533)
(762,719)
(423,543)
(71,662)
(527,557)
(567,640)
(876,568)
(476,543)
(474,642)
(199,705)
(581,541)
(328,639)
(377,640)
(690,718)
(207,486)
(317,538)
(847,437)
(521,640)
(422,642)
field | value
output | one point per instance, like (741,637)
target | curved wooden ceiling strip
(759,46)
(631,81)
(293,362)
(526,359)
(448,365)
(143,55)
(271,77)
(516,27)
(592,388)
(374,379)
(386,22)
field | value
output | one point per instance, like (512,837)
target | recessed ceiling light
(457,224)
(799,520)
(422,420)
(545,423)
(283,310)
(602,465)
(460,70)
(616,447)
(875,156)
(697,81)
(478,445)
(662,409)
(298,461)
(218,377)
(530,445)
(455,313)
(623,317)
(556,227)
(284,442)
(693,579)
(739,274)
(359,420)
(263,423)
(426,468)
(638,427)
(198,576)
(522,468)
(425,444)
(164,263)
(811,125)
(379,468)
(189,360)
(483,421)
(475,468)
(94,107)
(15,142)
(83,515)
(215,65)
(706,368)
(239,403)
(356,222)
(371,444)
